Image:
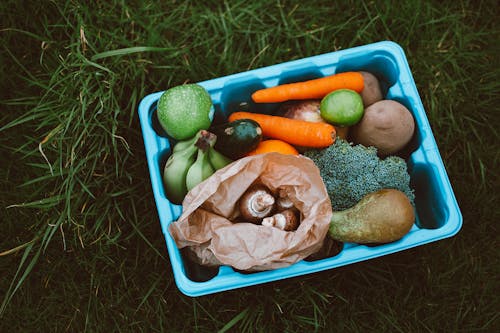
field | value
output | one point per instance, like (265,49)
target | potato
(371,92)
(386,125)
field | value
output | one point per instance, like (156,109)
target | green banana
(217,160)
(175,173)
(200,170)
(192,161)
(181,145)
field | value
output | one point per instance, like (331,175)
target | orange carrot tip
(311,89)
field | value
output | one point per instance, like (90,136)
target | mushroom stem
(283,201)
(286,220)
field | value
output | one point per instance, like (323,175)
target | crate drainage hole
(197,272)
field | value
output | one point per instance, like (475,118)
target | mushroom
(286,220)
(256,203)
(283,201)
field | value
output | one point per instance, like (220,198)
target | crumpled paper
(206,226)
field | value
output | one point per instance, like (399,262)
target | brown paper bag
(206,228)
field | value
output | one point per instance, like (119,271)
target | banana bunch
(192,161)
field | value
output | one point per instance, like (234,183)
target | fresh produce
(343,107)
(371,92)
(295,132)
(184,110)
(342,131)
(316,88)
(379,217)
(216,159)
(286,220)
(308,110)
(370,196)
(283,201)
(175,172)
(191,162)
(200,170)
(256,203)
(278,146)
(352,171)
(236,138)
(386,125)
(181,145)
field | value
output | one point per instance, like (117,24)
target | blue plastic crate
(438,215)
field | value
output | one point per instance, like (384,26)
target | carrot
(273,145)
(293,131)
(312,89)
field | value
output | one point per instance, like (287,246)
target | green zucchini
(237,138)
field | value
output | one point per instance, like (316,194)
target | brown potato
(386,125)
(371,92)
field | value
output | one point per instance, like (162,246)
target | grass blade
(233,321)
(127,51)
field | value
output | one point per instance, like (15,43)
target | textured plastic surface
(438,215)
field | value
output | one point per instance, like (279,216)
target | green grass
(81,246)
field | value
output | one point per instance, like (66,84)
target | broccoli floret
(352,171)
